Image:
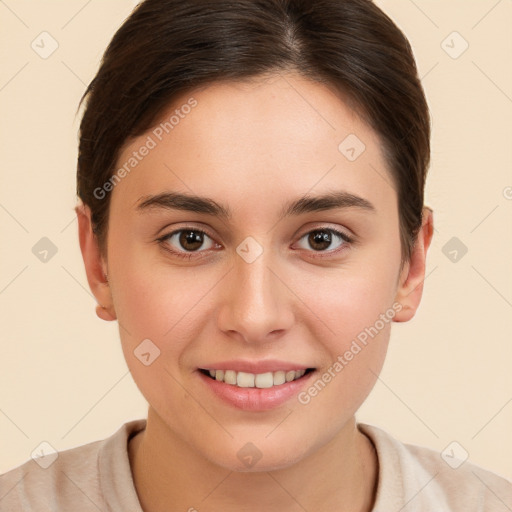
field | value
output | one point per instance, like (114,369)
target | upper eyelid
(320,227)
(185,228)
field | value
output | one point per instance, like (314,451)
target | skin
(253,147)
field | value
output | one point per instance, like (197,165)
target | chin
(254,458)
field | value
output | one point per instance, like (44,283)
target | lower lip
(256,399)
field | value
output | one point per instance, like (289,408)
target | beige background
(63,378)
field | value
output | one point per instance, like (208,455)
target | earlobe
(95,266)
(104,313)
(410,287)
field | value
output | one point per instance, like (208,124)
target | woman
(251,180)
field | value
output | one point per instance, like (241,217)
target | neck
(169,475)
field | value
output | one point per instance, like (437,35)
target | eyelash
(190,255)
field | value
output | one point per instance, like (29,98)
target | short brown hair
(168,47)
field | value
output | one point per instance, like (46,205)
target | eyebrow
(305,204)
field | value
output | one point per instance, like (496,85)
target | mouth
(255,380)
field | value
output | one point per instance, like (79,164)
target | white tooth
(245,380)
(230,377)
(250,380)
(290,375)
(279,378)
(299,373)
(264,380)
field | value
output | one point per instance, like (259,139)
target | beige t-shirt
(97,477)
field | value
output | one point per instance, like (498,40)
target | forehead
(281,135)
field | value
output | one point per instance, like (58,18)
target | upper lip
(269,365)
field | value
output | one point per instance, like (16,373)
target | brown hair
(166,48)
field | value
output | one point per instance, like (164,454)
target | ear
(95,266)
(411,279)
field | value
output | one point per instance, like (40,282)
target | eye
(186,241)
(322,238)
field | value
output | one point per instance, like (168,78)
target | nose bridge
(256,304)
(255,281)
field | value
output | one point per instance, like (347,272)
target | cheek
(343,302)
(160,305)
(353,313)
(151,297)
(360,317)
(167,305)
(166,309)
(353,321)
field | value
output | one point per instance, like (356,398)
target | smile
(255,380)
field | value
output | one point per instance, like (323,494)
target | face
(266,288)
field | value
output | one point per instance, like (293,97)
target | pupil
(191,237)
(320,237)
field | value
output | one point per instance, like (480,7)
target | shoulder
(421,479)
(40,483)
(74,479)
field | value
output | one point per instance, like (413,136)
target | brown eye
(187,241)
(191,240)
(321,240)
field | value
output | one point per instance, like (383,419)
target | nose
(256,305)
